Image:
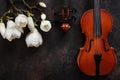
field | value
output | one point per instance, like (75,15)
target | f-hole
(89,47)
(106,50)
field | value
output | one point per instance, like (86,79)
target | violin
(97,57)
(65,19)
(66,16)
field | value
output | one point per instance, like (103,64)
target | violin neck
(97,19)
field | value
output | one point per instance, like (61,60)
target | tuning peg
(65,18)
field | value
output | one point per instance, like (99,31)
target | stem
(14,7)
(4,15)
(30,14)
(25,11)
(15,11)
(27,5)
(31,7)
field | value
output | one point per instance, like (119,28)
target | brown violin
(97,57)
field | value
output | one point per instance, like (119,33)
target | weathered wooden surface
(56,58)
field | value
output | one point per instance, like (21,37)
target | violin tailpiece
(97,58)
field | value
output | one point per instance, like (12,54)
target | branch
(14,7)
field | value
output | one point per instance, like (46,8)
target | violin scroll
(66,18)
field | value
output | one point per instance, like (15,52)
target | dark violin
(97,57)
(65,19)
(65,16)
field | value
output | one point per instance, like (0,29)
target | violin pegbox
(66,18)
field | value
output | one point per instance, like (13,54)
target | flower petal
(34,39)
(11,31)
(31,25)
(2,29)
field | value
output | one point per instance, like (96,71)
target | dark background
(56,58)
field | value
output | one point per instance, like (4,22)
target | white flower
(31,25)
(11,31)
(34,39)
(45,24)
(42,4)
(21,20)
(2,29)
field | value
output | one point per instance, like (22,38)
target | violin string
(95,23)
(97,20)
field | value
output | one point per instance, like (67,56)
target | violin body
(94,45)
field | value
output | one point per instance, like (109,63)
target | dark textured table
(56,58)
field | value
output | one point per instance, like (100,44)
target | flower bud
(42,4)
(31,25)
(43,16)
